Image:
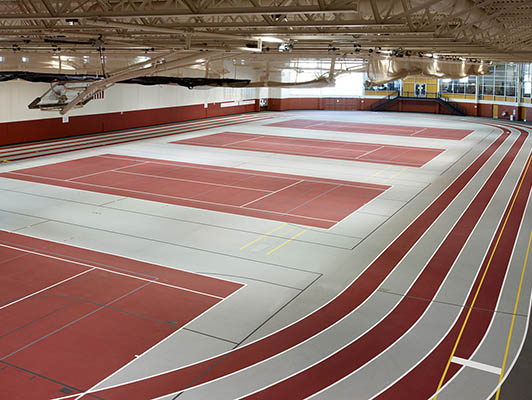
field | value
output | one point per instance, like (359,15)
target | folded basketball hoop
(61,94)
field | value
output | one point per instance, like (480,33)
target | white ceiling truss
(491,30)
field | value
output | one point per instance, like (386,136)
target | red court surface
(379,129)
(353,151)
(72,316)
(289,198)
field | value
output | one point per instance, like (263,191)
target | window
(458,86)
(526,79)
(501,81)
(394,86)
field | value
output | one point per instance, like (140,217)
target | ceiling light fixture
(268,39)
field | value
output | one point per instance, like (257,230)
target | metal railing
(382,101)
(436,96)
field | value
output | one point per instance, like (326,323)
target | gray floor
(310,270)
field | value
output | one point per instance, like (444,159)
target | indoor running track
(378,129)
(333,368)
(71,316)
(335,149)
(302,200)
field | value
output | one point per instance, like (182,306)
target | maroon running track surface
(414,303)
(355,294)
(353,151)
(289,198)
(71,316)
(395,130)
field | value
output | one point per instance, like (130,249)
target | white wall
(16,95)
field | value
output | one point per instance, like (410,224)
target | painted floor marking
(263,236)
(115,136)
(57,148)
(513,317)
(90,390)
(476,365)
(287,241)
(285,145)
(395,175)
(111,271)
(428,207)
(224,169)
(271,193)
(377,173)
(46,288)
(181,198)
(481,281)
(152,129)
(109,170)
(184,180)
(414,366)
(284,380)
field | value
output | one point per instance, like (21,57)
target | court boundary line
(46,288)
(126,131)
(252,173)
(486,334)
(107,253)
(205,201)
(377,256)
(84,139)
(271,193)
(111,271)
(391,129)
(401,299)
(125,139)
(90,390)
(319,155)
(437,343)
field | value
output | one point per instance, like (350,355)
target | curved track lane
(354,295)
(411,307)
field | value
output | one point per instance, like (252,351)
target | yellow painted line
(262,237)
(377,173)
(481,280)
(396,174)
(513,316)
(287,241)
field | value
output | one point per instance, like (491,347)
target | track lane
(406,313)
(472,325)
(311,325)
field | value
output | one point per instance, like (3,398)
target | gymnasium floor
(272,256)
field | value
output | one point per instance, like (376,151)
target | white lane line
(395,306)
(114,139)
(271,193)
(46,288)
(184,180)
(476,365)
(251,173)
(108,170)
(147,130)
(392,310)
(457,315)
(175,197)
(293,323)
(369,152)
(418,131)
(111,271)
(93,388)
